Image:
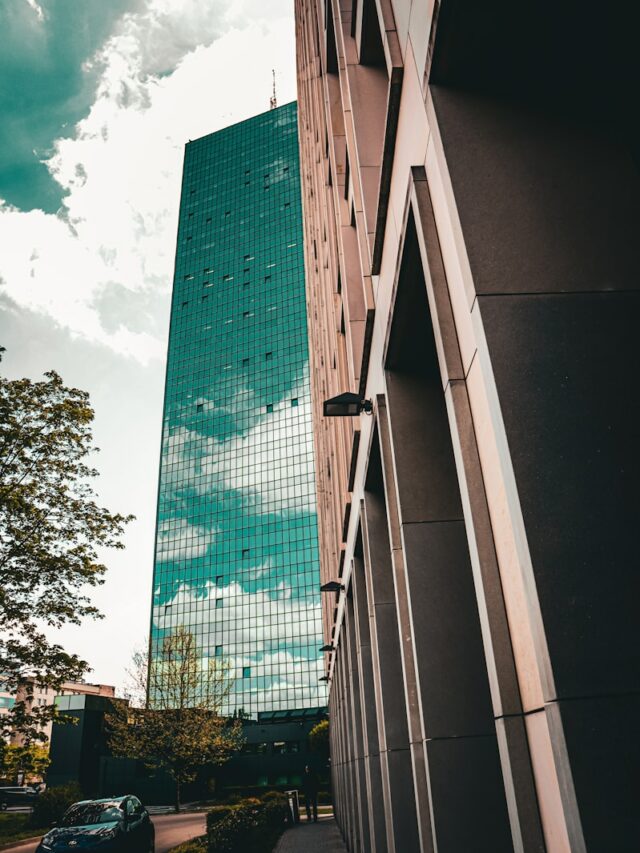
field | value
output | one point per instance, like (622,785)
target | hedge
(247,827)
(52,803)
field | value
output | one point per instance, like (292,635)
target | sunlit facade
(236,557)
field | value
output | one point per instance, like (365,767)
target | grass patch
(14,826)
(196,845)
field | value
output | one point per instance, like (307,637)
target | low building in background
(471,201)
(35,695)
(276,751)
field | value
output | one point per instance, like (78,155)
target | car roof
(104,800)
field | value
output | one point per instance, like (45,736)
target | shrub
(274,796)
(218,813)
(53,803)
(254,828)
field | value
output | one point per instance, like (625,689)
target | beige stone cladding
(471,203)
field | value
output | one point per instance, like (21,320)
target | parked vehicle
(115,825)
(17,796)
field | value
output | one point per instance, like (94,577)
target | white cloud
(176,70)
(259,630)
(179,540)
(37,9)
(280,443)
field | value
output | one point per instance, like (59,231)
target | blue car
(117,824)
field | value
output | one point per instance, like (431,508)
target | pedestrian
(310,789)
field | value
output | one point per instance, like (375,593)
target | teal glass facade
(236,559)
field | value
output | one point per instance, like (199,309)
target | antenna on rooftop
(273,103)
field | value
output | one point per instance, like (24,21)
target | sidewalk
(321,837)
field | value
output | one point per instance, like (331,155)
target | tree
(32,760)
(50,530)
(319,738)
(181,729)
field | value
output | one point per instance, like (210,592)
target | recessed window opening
(294,402)
(269,408)
(199,407)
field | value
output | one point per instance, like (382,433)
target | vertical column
(356,728)
(370,746)
(393,737)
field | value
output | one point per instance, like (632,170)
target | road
(171,829)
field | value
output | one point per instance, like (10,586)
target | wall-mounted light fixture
(346,405)
(332,586)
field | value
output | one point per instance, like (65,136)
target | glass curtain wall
(236,559)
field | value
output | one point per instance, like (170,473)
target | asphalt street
(171,829)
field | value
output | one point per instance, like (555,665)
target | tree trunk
(177,803)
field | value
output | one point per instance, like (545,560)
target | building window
(188,276)
(218,651)
(245,362)
(219,603)
(246,672)
(245,553)
(199,407)
(267,356)
(294,402)
(269,408)
(185,303)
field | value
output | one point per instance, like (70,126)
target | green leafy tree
(319,738)
(32,760)
(51,528)
(182,728)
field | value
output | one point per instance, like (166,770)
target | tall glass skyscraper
(236,558)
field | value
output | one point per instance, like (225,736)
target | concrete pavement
(321,837)
(171,829)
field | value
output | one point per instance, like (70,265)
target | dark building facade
(472,209)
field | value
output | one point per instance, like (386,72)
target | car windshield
(86,813)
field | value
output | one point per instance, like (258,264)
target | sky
(98,99)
